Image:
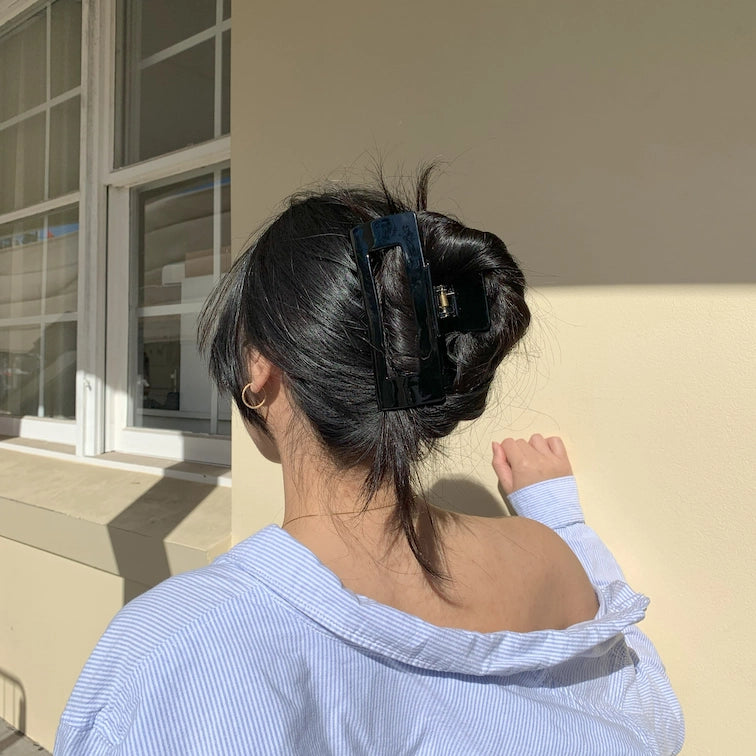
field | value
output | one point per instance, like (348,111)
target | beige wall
(54,611)
(611,145)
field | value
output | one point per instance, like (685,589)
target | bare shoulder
(529,564)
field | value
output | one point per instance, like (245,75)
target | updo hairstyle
(294,296)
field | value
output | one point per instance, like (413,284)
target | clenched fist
(519,463)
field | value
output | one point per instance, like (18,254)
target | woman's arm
(537,478)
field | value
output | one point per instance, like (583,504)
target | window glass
(64,147)
(22,163)
(23,63)
(65,46)
(21,262)
(19,370)
(225,220)
(176,242)
(62,261)
(29,121)
(59,388)
(176,103)
(38,333)
(184,247)
(175,387)
(171,92)
(167,22)
(226,84)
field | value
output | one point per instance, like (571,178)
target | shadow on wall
(658,229)
(466,496)
(138,533)
(13,706)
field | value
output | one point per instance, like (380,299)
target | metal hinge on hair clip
(446,301)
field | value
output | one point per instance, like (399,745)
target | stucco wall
(611,146)
(54,611)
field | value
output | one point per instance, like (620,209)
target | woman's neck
(325,509)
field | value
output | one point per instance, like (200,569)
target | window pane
(166,22)
(159,349)
(168,83)
(172,383)
(21,251)
(65,46)
(176,260)
(64,147)
(62,261)
(226,84)
(23,65)
(60,370)
(19,370)
(183,249)
(226,9)
(225,220)
(22,163)
(177,101)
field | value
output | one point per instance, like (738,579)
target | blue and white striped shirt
(264,652)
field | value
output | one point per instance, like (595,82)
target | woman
(353,335)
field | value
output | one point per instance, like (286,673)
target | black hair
(294,297)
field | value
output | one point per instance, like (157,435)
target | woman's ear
(260,371)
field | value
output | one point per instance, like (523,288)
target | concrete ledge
(141,526)
(194,471)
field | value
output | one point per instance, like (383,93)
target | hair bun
(453,251)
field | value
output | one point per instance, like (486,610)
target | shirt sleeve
(555,503)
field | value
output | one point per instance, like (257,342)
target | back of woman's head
(295,298)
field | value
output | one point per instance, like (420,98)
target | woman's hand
(519,463)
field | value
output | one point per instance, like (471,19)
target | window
(152,140)
(40,105)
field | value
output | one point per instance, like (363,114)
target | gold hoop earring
(246,403)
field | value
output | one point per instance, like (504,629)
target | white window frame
(105,238)
(122,435)
(122,183)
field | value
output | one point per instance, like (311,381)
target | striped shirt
(265,652)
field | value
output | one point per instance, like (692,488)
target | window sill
(196,472)
(142,519)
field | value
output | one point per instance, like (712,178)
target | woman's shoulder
(176,630)
(172,610)
(187,609)
(528,565)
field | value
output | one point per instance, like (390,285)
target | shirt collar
(296,575)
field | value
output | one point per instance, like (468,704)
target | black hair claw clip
(459,307)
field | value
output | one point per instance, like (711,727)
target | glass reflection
(21,251)
(64,147)
(172,383)
(23,64)
(168,80)
(176,251)
(179,258)
(19,370)
(177,101)
(65,46)
(36,251)
(62,261)
(166,22)
(22,163)
(60,370)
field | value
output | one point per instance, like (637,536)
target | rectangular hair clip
(369,240)
(438,310)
